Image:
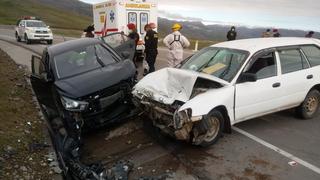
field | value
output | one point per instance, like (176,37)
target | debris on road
(292,163)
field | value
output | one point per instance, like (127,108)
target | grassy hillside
(12,10)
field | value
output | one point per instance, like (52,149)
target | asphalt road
(257,149)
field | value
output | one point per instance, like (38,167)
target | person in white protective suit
(176,42)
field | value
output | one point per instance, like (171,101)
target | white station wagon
(231,82)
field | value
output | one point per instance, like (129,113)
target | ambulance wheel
(28,41)
(18,37)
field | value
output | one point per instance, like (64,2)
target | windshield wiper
(206,65)
(98,58)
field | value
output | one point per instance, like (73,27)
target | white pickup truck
(31,29)
(231,82)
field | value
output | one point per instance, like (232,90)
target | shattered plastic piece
(120,170)
(292,163)
(29,123)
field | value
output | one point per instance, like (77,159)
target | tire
(205,126)
(310,106)
(49,42)
(18,37)
(28,41)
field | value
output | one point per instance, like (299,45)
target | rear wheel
(210,128)
(310,106)
(18,37)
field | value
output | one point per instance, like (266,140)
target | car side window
(263,66)
(291,60)
(313,54)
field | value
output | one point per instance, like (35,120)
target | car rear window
(291,61)
(313,54)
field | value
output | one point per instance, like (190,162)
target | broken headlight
(180,117)
(73,105)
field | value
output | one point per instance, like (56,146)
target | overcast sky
(292,14)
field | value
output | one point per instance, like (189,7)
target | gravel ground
(23,147)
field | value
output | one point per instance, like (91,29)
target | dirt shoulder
(23,147)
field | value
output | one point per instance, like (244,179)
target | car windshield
(219,62)
(36,24)
(82,60)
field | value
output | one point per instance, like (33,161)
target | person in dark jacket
(310,34)
(135,36)
(151,46)
(133,32)
(89,31)
(232,34)
(276,33)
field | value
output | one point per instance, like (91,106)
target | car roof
(255,44)
(72,44)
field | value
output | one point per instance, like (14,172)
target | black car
(81,85)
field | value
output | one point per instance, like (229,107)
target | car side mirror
(248,77)
(125,54)
(46,77)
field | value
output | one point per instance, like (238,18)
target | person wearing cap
(232,34)
(176,42)
(267,34)
(276,33)
(135,36)
(151,46)
(310,34)
(133,32)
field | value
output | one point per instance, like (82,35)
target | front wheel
(28,41)
(210,129)
(49,42)
(18,37)
(310,106)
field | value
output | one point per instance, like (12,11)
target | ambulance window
(144,19)
(132,18)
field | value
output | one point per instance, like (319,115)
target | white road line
(280,151)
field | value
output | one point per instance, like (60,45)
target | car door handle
(310,76)
(276,85)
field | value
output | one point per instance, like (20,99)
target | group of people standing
(175,42)
(232,34)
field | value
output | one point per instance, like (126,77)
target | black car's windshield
(219,62)
(36,24)
(82,60)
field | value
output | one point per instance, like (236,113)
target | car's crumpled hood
(170,84)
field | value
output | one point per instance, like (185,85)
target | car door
(122,44)
(295,76)
(253,99)
(40,84)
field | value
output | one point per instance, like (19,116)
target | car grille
(41,32)
(41,36)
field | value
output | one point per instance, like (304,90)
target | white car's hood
(169,84)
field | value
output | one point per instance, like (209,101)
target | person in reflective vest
(176,42)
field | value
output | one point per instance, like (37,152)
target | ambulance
(114,16)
